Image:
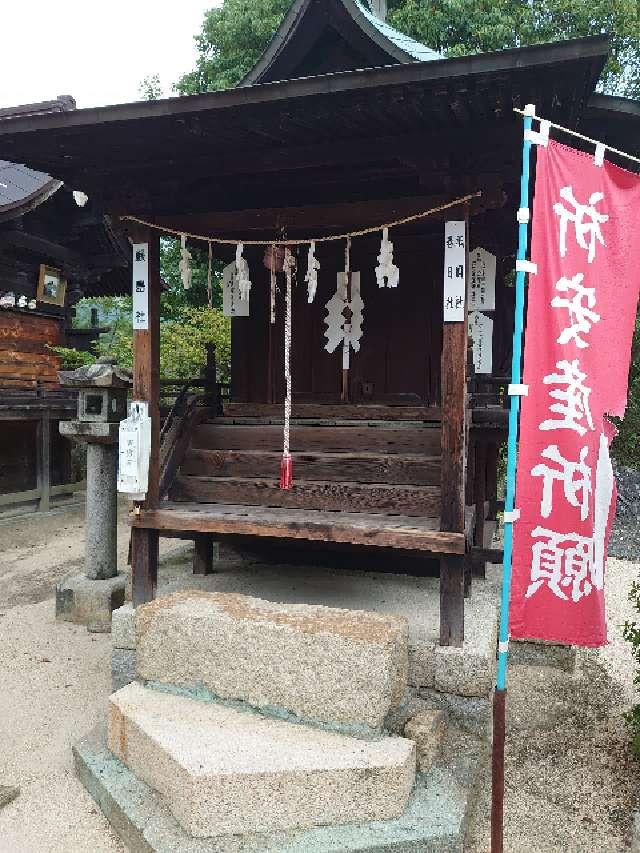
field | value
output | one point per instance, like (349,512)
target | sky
(98,52)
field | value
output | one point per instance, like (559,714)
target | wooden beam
(479,491)
(453,438)
(44,461)
(144,562)
(355,528)
(146,365)
(361,214)
(452,589)
(203,554)
(453,433)
(146,387)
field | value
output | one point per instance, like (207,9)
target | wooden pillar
(452,588)
(203,554)
(146,387)
(144,563)
(44,461)
(453,447)
(479,498)
(492,479)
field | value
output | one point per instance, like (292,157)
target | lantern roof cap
(105,373)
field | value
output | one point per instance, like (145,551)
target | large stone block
(427,730)
(221,770)
(319,663)
(123,627)
(89,602)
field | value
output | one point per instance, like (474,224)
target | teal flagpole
(499,702)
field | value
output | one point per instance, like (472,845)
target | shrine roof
(443,128)
(320,36)
(415,49)
(21,188)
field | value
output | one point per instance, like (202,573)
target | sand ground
(571,783)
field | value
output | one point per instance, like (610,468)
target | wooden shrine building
(343,124)
(52,253)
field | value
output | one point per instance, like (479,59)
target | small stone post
(89,599)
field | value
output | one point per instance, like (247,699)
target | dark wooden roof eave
(615,121)
(18,136)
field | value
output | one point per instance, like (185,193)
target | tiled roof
(418,51)
(18,183)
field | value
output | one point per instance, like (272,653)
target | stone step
(223,771)
(319,663)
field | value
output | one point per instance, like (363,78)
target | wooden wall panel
(399,358)
(24,356)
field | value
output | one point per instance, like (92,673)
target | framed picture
(51,286)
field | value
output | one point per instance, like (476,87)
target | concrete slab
(322,664)
(89,602)
(440,810)
(415,599)
(224,771)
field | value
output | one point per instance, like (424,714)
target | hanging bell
(274,258)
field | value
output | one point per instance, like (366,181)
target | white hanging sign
(340,328)
(134,452)
(482,281)
(455,263)
(140,286)
(481,334)
(232,303)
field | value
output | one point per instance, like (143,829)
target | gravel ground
(625,536)
(571,783)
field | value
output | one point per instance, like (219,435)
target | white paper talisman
(232,305)
(481,334)
(455,261)
(482,281)
(140,286)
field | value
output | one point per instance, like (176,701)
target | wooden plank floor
(355,528)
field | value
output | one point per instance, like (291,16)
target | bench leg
(468,575)
(203,554)
(144,563)
(452,585)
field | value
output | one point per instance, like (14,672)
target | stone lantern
(102,403)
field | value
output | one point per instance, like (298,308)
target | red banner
(580,320)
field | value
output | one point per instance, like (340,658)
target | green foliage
(174,297)
(71,359)
(632,636)
(234,36)
(185,330)
(183,339)
(231,41)
(151,88)
(463,27)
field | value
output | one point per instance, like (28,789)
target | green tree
(234,36)
(183,341)
(174,296)
(151,88)
(463,27)
(231,41)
